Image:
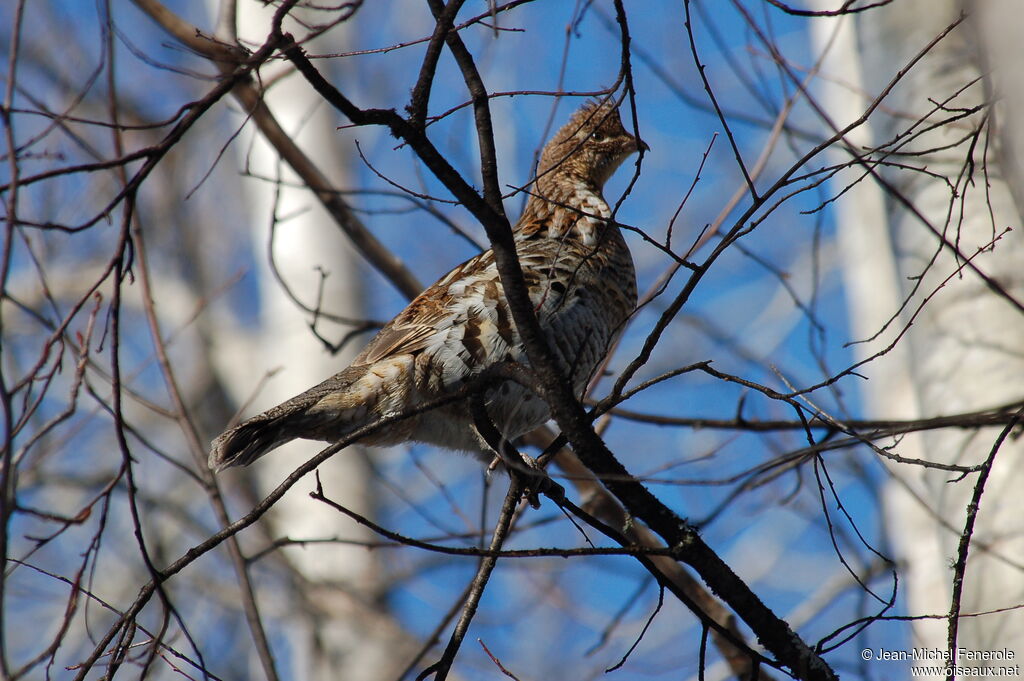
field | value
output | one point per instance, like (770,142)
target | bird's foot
(535,481)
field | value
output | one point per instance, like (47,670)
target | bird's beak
(642,146)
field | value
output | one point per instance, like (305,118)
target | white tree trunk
(963,352)
(342,634)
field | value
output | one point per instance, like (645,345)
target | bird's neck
(562,206)
(556,191)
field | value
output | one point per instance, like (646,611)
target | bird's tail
(318,414)
(251,439)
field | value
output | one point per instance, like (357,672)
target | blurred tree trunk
(344,631)
(963,350)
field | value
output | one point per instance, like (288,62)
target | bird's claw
(536,481)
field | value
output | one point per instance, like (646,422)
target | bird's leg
(492,466)
(534,478)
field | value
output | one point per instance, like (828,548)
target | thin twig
(440,669)
(960,567)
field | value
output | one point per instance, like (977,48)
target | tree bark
(962,351)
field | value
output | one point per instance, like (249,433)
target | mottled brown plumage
(580,278)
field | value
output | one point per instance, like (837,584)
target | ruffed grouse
(580,277)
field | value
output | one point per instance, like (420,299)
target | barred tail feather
(316,414)
(250,440)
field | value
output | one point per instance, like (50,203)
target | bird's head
(590,147)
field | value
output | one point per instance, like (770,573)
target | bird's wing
(406,334)
(415,327)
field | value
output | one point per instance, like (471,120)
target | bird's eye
(599,137)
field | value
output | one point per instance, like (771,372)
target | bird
(580,278)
